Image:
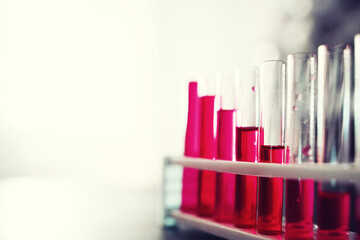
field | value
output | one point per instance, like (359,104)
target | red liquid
(192,149)
(357,215)
(299,209)
(225,196)
(270,201)
(208,137)
(208,149)
(247,150)
(206,193)
(189,189)
(333,215)
(225,182)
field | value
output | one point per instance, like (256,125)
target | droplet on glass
(253,88)
(295,108)
(306,150)
(298,97)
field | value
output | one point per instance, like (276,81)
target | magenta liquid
(270,200)
(225,195)
(248,140)
(357,215)
(208,149)
(225,182)
(192,149)
(299,209)
(333,214)
(189,189)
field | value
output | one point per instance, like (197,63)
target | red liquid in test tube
(357,214)
(192,149)
(247,150)
(189,189)
(270,199)
(225,182)
(299,209)
(333,138)
(208,149)
(333,215)
(300,135)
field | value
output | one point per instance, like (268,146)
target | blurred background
(93,95)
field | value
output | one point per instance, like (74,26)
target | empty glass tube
(272,109)
(334,140)
(300,142)
(248,140)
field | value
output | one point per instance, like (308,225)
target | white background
(98,89)
(93,94)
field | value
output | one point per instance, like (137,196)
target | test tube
(248,140)
(334,143)
(357,126)
(225,182)
(300,142)
(192,149)
(272,109)
(208,147)
(357,96)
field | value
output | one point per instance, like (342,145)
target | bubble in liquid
(306,150)
(295,108)
(298,97)
(312,77)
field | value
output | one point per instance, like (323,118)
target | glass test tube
(272,107)
(208,148)
(248,139)
(225,182)
(357,96)
(334,137)
(357,125)
(300,142)
(192,149)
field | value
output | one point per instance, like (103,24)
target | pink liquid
(225,182)
(299,209)
(225,195)
(357,215)
(206,193)
(333,215)
(270,201)
(247,150)
(208,149)
(189,189)
(192,149)
(208,137)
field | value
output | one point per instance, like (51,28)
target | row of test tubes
(297,112)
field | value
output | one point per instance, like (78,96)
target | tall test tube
(192,149)
(334,139)
(357,125)
(248,140)
(300,142)
(208,148)
(272,109)
(225,182)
